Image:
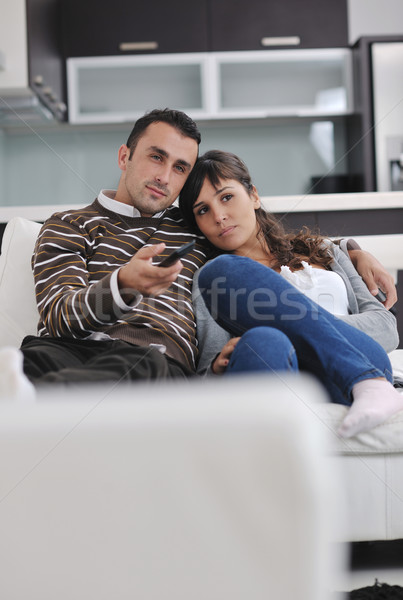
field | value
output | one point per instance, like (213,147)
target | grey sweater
(365,313)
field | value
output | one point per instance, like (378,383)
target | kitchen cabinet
(32,83)
(311,82)
(102,28)
(113,89)
(121,58)
(259,24)
(211,85)
(341,223)
(46,65)
(97,28)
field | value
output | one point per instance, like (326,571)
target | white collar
(107,199)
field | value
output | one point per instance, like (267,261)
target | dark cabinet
(45,59)
(341,223)
(255,24)
(101,28)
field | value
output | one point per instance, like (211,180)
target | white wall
(13,43)
(374,17)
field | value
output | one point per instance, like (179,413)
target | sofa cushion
(386,438)
(18,311)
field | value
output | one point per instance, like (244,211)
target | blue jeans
(283,330)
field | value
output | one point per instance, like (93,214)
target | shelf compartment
(285,83)
(117,89)
(210,86)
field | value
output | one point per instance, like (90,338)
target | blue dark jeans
(283,330)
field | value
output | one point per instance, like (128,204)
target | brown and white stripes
(75,255)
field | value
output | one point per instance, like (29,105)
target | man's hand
(141,275)
(374,275)
(221,361)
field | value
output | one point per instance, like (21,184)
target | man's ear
(255,197)
(123,157)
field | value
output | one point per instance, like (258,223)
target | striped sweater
(75,255)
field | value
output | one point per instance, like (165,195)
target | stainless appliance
(387,89)
(395,155)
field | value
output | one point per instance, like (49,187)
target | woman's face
(226,216)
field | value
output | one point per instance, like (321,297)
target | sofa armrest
(18,311)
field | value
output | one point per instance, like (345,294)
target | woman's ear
(255,197)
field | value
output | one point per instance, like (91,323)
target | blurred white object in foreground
(191,490)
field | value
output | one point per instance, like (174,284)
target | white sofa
(158,490)
(371,463)
(172,492)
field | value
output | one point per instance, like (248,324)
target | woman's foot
(14,385)
(374,401)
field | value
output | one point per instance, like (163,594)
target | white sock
(374,401)
(14,385)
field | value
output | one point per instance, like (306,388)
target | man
(107,310)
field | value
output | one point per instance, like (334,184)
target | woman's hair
(286,248)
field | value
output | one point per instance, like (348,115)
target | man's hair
(184,124)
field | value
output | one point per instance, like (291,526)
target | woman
(277,295)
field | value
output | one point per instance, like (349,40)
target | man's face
(155,174)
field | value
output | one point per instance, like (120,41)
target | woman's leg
(269,350)
(241,294)
(263,349)
(374,401)
(339,354)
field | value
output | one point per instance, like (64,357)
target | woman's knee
(267,338)
(265,348)
(214,272)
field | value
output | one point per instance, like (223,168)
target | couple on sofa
(108,312)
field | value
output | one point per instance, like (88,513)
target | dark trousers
(71,361)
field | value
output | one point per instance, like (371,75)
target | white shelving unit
(208,86)
(285,83)
(115,89)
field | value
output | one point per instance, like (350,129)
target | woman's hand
(374,275)
(221,361)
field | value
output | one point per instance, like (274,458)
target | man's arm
(369,315)
(74,303)
(375,276)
